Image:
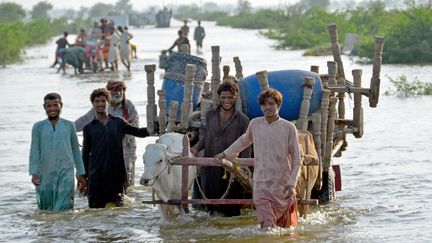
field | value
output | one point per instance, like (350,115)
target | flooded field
(387,186)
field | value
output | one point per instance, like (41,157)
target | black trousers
(100,201)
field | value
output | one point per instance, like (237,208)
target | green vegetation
(304,26)
(407,32)
(11,12)
(193,11)
(409,39)
(261,19)
(406,88)
(18,34)
(13,40)
(40,10)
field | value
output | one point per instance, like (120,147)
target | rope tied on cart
(235,167)
(241,174)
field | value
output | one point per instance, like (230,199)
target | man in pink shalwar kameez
(277,162)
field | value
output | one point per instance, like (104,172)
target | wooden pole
(375,81)
(162,111)
(330,130)
(316,132)
(238,68)
(226,70)
(151,108)
(205,105)
(206,88)
(358,109)
(185,170)
(263,81)
(325,99)
(172,118)
(302,122)
(341,101)
(332,71)
(187,106)
(336,50)
(175,201)
(198,88)
(215,78)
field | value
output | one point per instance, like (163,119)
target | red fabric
(289,218)
(272,215)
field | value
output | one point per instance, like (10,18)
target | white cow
(162,176)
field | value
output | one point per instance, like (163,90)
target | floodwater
(387,182)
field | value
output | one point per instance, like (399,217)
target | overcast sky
(142,4)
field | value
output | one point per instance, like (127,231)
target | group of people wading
(105,45)
(116,46)
(105,166)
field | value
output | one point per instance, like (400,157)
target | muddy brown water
(386,174)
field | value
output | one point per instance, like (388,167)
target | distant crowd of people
(114,43)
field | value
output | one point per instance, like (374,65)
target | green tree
(100,9)
(409,38)
(187,11)
(82,13)
(244,6)
(70,13)
(316,3)
(124,6)
(13,36)
(40,10)
(11,12)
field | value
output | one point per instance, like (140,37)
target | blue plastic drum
(174,91)
(290,84)
(174,78)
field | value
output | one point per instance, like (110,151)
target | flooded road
(387,182)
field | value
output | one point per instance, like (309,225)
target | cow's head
(156,161)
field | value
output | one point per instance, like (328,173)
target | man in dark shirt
(179,42)
(62,43)
(224,124)
(103,153)
(199,34)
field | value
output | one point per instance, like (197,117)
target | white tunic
(125,49)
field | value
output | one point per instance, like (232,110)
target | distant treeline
(20,35)
(407,31)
